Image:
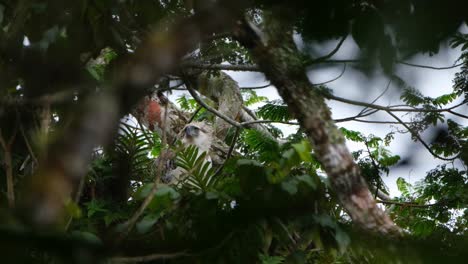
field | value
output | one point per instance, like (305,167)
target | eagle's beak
(192,131)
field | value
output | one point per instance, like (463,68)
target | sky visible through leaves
(430,82)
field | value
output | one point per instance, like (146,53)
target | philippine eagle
(199,134)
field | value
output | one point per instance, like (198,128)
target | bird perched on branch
(199,134)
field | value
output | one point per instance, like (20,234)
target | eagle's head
(199,134)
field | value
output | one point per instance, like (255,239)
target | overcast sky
(355,85)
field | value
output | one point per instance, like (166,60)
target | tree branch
(255,68)
(224,67)
(148,258)
(406,204)
(282,64)
(390,108)
(231,149)
(333,52)
(458,114)
(211,109)
(256,87)
(334,79)
(430,67)
(415,134)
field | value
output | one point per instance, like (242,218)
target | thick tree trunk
(278,57)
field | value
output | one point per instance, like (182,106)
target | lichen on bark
(280,60)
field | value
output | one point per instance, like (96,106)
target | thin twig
(225,67)
(415,134)
(352,118)
(334,79)
(76,200)
(378,97)
(268,122)
(255,68)
(430,67)
(194,115)
(28,146)
(383,196)
(408,204)
(250,112)
(458,114)
(333,52)
(231,149)
(398,61)
(378,122)
(212,110)
(255,87)
(390,108)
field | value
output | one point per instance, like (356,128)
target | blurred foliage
(270,202)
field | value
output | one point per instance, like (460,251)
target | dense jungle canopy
(101,162)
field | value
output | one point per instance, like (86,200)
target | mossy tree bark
(278,57)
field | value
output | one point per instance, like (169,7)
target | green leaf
(253,98)
(112,217)
(423,227)
(73,209)
(266,259)
(352,135)
(95,206)
(145,224)
(445,99)
(412,97)
(308,180)
(143,191)
(342,238)
(403,186)
(164,190)
(389,160)
(161,191)
(211,195)
(88,236)
(275,111)
(290,187)
(303,149)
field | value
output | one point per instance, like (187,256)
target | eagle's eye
(192,131)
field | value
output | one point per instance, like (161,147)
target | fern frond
(134,145)
(199,173)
